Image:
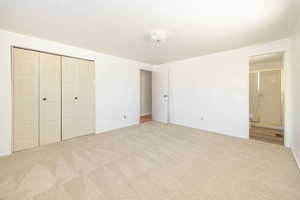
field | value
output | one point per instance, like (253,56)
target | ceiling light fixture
(157,37)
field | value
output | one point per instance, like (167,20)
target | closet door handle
(75,98)
(44,99)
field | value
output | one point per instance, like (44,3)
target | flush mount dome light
(157,37)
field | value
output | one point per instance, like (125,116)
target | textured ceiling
(120,28)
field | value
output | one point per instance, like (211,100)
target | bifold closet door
(69,97)
(50,98)
(77,97)
(86,109)
(25,99)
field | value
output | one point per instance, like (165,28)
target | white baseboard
(296,159)
(118,127)
(5,154)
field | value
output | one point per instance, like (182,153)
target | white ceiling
(120,27)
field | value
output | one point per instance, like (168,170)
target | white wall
(211,92)
(117,84)
(295,59)
(145,92)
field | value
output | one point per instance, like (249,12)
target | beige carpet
(152,161)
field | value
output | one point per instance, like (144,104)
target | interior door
(70,81)
(50,98)
(160,95)
(270,98)
(25,99)
(86,97)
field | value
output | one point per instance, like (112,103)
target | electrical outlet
(202,118)
(124,116)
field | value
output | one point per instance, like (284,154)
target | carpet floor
(152,161)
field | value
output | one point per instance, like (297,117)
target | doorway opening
(145,96)
(266,98)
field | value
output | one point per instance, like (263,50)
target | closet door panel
(50,98)
(25,99)
(86,102)
(78,97)
(70,83)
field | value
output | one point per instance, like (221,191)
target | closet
(53,98)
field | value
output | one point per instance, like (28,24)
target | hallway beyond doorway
(145,118)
